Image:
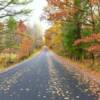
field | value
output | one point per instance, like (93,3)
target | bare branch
(7,9)
(23,12)
(10,2)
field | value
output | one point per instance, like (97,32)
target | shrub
(7,58)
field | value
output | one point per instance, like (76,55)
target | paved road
(42,78)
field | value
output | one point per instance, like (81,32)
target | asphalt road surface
(42,78)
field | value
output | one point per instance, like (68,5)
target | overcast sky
(37,7)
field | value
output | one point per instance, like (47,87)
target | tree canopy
(80,26)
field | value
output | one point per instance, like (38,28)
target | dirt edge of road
(23,61)
(92,77)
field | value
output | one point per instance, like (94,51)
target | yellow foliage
(53,36)
(56,28)
(7,57)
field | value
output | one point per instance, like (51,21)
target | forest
(75,30)
(17,40)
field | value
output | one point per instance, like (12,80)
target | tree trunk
(92,18)
(93,59)
(80,50)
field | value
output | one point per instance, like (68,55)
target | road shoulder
(86,75)
(21,62)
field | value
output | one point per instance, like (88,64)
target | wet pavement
(42,78)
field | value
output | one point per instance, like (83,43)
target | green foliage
(8,36)
(21,1)
(86,32)
(68,37)
(77,2)
(11,24)
(97,25)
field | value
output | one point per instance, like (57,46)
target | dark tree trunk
(78,33)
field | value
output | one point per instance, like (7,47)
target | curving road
(42,78)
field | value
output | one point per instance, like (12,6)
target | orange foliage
(94,2)
(64,10)
(54,2)
(25,40)
(58,2)
(58,15)
(21,27)
(94,48)
(1,25)
(93,37)
(64,13)
(25,47)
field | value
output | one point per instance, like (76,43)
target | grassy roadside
(7,67)
(84,63)
(82,73)
(81,66)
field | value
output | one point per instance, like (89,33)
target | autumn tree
(91,29)
(92,45)
(53,37)
(25,47)
(25,40)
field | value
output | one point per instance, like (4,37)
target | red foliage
(58,15)
(64,10)
(21,27)
(93,37)
(1,25)
(59,3)
(63,13)
(94,48)
(89,39)
(94,2)
(25,47)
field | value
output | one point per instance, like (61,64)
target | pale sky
(37,7)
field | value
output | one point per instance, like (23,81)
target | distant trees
(38,40)
(53,36)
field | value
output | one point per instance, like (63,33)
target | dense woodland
(75,30)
